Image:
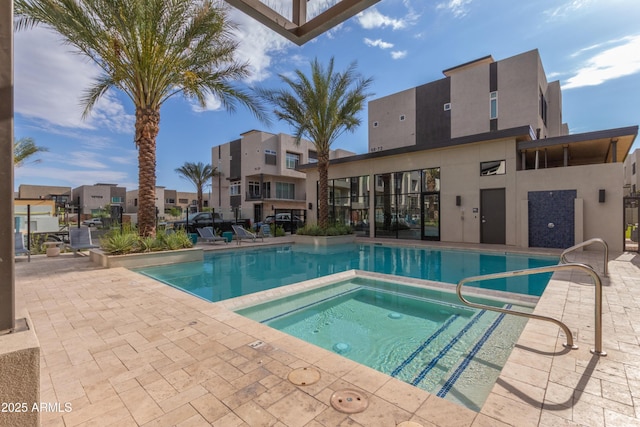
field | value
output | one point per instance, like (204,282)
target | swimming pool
(228,274)
(423,336)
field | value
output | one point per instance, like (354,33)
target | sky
(591,46)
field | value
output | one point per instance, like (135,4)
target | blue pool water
(229,274)
(424,337)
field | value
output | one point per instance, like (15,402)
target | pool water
(421,336)
(229,274)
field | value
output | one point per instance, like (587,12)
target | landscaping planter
(323,240)
(145,259)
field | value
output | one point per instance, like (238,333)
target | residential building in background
(93,200)
(631,172)
(258,175)
(482,156)
(473,98)
(60,195)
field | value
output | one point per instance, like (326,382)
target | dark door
(492,216)
(257,212)
(431,216)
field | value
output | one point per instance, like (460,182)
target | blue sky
(591,46)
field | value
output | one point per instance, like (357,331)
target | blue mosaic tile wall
(551,207)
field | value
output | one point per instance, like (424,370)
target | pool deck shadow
(124,349)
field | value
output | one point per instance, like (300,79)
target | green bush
(332,230)
(279,231)
(127,241)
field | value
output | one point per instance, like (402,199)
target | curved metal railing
(563,255)
(552,268)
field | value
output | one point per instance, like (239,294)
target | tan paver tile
(142,406)
(182,398)
(296,409)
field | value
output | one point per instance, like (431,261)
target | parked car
(285,221)
(93,222)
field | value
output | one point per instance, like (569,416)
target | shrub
(332,230)
(119,243)
(127,241)
(279,231)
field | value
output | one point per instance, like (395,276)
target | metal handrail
(572,266)
(563,255)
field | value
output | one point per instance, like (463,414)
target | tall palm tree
(24,148)
(198,174)
(321,107)
(150,50)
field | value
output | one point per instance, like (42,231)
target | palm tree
(321,107)
(198,174)
(23,149)
(150,50)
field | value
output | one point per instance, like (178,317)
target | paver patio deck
(126,350)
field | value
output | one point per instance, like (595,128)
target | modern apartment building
(473,98)
(184,200)
(60,195)
(482,156)
(93,199)
(258,175)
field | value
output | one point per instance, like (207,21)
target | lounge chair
(242,234)
(19,246)
(80,239)
(265,231)
(208,235)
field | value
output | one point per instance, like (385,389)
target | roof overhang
(298,29)
(605,146)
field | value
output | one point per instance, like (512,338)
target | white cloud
(50,80)
(398,54)
(618,61)
(372,18)
(378,43)
(458,8)
(567,8)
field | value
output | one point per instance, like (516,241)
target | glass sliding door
(431,216)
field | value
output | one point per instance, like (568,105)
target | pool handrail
(571,266)
(605,271)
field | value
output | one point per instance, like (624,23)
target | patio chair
(265,231)
(19,246)
(208,235)
(242,234)
(80,239)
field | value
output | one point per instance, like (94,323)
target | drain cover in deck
(349,401)
(304,376)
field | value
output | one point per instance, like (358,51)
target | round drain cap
(304,376)
(349,401)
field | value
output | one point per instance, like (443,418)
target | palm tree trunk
(199,191)
(323,197)
(147,128)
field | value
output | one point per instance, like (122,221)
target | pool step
(436,356)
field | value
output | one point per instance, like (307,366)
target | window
(543,108)
(292,160)
(494,167)
(116,199)
(633,168)
(234,188)
(270,157)
(493,101)
(313,156)
(254,189)
(183,201)
(447,106)
(170,201)
(285,190)
(135,202)
(266,190)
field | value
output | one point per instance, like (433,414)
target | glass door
(431,216)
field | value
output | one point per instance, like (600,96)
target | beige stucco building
(481,156)
(258,175)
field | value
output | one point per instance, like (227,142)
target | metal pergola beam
(299,30)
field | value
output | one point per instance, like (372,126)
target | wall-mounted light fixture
(601,196)
(458,200)
(310,206)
